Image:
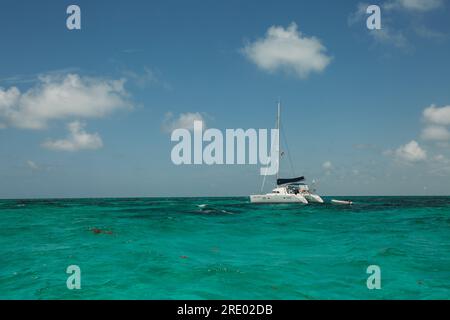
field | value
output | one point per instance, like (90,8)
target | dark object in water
(99,231)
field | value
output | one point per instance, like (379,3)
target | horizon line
(193,197)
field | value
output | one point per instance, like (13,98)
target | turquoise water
(224,248)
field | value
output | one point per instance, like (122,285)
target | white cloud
(288,50)
(327,165)
(359,14)
(147,78)
(414,5)
(436,133)
(32,165)
(183,121)
(440,158)
(78,139)
(389,36)
(34,77)
(410,152)
(440,165)
(57,97)
(436,120)
(386,35)
(392,32)
(427,33)
(436,115)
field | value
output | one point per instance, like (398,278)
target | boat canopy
(285,181)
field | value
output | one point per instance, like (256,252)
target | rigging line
(264,180)
(288,151)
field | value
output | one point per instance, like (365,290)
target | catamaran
(288,190)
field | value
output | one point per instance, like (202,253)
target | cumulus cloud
(436,133)
(327,165)
(410,152)
(57,97)
(287,49)
(414,5)
(436,119)
(182,121)
(436,115)
(78,139)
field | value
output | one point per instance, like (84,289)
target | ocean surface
(224,248)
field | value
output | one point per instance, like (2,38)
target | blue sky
(357,111)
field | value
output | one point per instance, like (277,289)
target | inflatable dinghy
(347,202)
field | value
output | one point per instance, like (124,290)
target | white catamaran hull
(314,198)
(278,198)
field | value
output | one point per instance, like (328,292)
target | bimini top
(285,181)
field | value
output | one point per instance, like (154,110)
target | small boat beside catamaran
(341,202)
(291,190)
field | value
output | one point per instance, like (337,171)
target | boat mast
(278,138)
(278,147)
